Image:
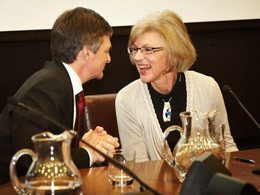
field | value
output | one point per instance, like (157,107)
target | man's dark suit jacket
(50,91)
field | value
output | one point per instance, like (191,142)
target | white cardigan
(139,128)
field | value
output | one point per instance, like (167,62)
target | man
(80,45)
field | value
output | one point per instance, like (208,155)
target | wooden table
(159,176)
(242,170)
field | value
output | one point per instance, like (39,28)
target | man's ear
(87,53)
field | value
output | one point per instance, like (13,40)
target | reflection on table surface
(158,175)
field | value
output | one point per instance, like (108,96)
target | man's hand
(101,140)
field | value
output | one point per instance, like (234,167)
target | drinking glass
(117,176)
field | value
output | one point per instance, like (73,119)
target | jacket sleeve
(80,157)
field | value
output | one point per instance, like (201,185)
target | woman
(161,49)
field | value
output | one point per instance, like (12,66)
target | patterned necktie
(80,122)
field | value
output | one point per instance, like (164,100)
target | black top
(178,105)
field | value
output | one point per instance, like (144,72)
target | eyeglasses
(144,50)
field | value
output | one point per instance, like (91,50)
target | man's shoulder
(51,72)
(47,82)
(53,68)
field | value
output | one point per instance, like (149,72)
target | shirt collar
(75,80)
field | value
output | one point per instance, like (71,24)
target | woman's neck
(166,83)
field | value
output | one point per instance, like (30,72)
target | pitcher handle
(18,186)
(172,128)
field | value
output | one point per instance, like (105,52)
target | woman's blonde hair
(170,27)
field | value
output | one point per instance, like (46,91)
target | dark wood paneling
(228,51)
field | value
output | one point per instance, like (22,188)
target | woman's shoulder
(133,87)
(131,92)
(196,77)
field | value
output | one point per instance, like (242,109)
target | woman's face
(151,67)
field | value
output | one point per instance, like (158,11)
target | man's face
(101,58)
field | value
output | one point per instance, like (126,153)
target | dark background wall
(227,51)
